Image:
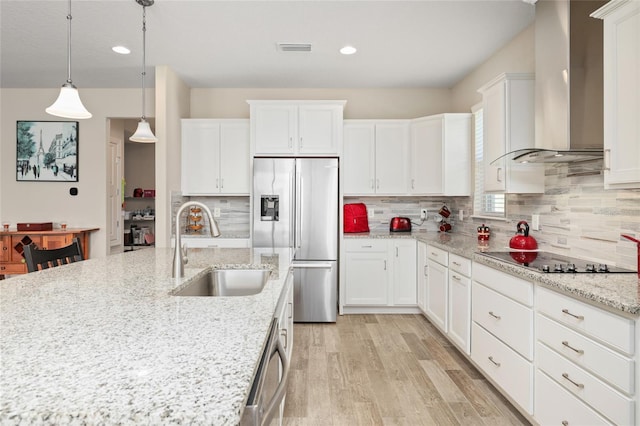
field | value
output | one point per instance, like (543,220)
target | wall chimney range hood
(569,84)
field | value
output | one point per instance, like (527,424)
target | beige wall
(517,56)
(361,103)
(50,201)
(172,104)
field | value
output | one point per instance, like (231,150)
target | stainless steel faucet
(180,253)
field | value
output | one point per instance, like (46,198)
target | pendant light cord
(144,56)
(69,45)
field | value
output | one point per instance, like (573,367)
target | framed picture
(47,151)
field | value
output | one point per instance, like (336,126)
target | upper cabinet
(376,156)
(440,155)
(508,104)
(215,157)
(296,127)
(621,93)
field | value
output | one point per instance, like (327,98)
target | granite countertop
(102,341)
(616,292)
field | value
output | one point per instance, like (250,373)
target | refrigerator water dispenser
(269,208)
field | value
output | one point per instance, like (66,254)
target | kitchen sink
(226,283)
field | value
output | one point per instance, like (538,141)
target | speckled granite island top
(617,292)
(103,342)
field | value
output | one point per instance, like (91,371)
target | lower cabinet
(422,274)
(502,331)
(585,363)
(438,287)
(285,319)
(459,309)
(380,273)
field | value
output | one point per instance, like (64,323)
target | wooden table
(12,243)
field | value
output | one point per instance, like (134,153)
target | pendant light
(68,104)
(143,132)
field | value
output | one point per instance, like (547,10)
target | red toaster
(400,224)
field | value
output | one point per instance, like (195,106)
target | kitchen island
(103,342)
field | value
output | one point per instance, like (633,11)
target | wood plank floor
(387,370)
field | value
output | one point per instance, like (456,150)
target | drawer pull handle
(578,385)
(367,246)
(565,423)
(566,311)
(385,265)
(494,315)
(497,364)
(579,351)
(455,277)
(434,254)
(456,263)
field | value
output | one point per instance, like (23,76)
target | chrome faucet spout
(180,253)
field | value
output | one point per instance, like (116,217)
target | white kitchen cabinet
(621,93)
(284,314)
(440,155)
(508,111)
(376,157)
(422,274)
(584,355)
(403,253)
(502,337)
(438,287)
(215,157)
(380,275)
(459,312)
(367,272)
(296,128)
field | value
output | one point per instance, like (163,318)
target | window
(484,204)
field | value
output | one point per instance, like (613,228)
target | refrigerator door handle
(298,209)
(312,265)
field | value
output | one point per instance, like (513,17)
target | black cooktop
(554,263)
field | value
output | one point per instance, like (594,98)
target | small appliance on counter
(522,240)
(400,224)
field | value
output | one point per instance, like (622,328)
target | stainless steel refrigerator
(295,204)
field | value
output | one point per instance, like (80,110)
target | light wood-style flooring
(387,370)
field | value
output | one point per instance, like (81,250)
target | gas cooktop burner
(554,263)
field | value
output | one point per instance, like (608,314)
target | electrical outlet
(370,213)
(216,212)
(461,215)
(423,214)
(535,222)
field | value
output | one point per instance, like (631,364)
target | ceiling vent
(294,47)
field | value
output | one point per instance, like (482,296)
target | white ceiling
(208,43)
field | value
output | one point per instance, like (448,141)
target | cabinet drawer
(510,321)
(586,387)
(610,328)
(556,406)
(13,268)
(509,370)
(513,287)
(363,245)
(602,361)
(438,255)
(460,264)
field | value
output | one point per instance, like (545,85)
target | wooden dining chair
(51,258)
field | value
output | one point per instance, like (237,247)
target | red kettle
(522,240)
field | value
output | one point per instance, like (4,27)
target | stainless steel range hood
(569,83)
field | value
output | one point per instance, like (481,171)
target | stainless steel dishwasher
(269,386)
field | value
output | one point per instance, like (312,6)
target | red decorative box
(149,193)
(44,226)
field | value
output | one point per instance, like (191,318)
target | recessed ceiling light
(121,50)
(348,50)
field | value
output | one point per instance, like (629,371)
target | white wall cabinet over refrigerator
(376,157)
(508,111)
(296,128)
(440,155)
(621,93)
(215,157)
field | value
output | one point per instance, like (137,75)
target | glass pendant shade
(68,104)
(143,133)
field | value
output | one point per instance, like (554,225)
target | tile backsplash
(578,217)
(234,214)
